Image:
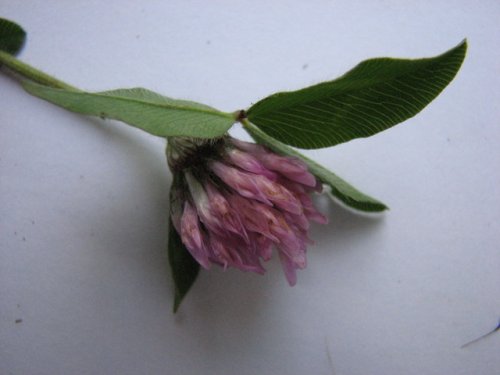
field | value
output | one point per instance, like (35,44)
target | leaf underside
(376,95)
(12,37)
(184,268)
(144,109)
(340,189)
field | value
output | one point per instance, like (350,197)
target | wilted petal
(291,168)
(248,163)
(310,211)
(200,199)
(278,195)
(302,193)
(300,221)
(229,252)
(288,240)
(227,216)
(316,216)
(242,182)
(263,246)
(251,215)
(289,268)
(192,236)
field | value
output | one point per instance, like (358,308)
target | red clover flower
(233,201)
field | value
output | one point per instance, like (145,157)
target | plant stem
(27,71)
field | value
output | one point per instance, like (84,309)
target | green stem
(31,73)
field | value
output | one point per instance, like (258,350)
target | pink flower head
(235,201)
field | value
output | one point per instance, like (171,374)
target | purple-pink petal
(248,163)
(289,269)
(292,168)
(279,195)
(192,236)
(242,182)
(228,217)
(231,252)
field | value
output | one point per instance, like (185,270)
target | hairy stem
(26,71)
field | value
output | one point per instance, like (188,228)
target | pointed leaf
(340,189)
(144,109)
(184,268)
(12,37)
(372,97)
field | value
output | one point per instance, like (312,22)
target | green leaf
(372,97)
(184,268)
(340,189)
(12,37)
(144,109)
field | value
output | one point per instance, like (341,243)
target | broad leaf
(339,188)
(12,37)
(184,268)
(374,96)
(144,109)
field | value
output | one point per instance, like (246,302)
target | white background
(84,202)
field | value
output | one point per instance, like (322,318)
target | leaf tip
(460,49)
(381,207)
(464,44)
(184,267)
